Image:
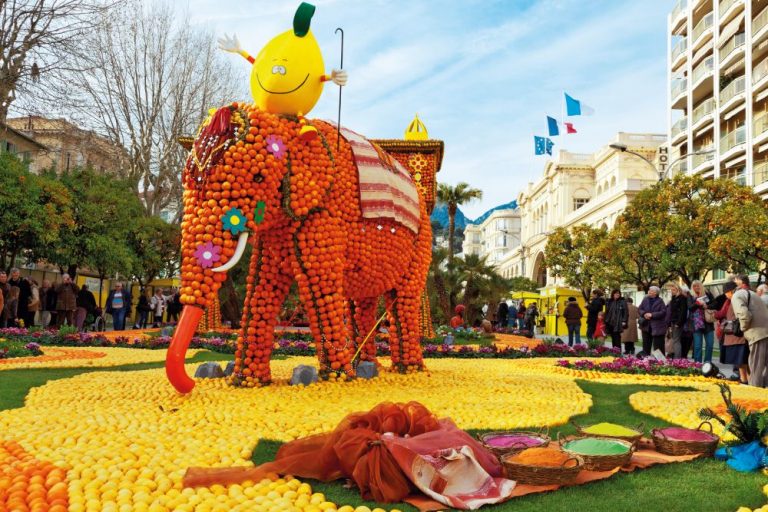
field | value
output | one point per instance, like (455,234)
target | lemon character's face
(286,74)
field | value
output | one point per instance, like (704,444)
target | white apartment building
(495,237)
(578,189)
(718,93)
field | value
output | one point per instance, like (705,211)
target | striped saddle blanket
(387,190)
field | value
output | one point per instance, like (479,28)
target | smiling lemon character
(288,73)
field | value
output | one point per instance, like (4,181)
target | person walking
(629,335)
(735,347)
(34,303)
(573,315)
(512,316)
(502,310)
(66,301)
(86,303)
(157,306)
(753,321)
(119,306)
(25,295)
(677,315)
(762,292)
(174,307)
(531,314)
(616,316)
(5,289)
(653,321)
(143,308)
(47,305)
(702,321)
(12,307)
(596,305)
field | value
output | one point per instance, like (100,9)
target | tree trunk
(72,270)
(230,303)
(442,295)
(451,230)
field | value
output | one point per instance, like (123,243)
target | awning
(730,29)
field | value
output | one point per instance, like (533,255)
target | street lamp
(622,148)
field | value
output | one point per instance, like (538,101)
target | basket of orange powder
(542,466)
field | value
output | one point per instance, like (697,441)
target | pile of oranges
(28,484)
(301,204)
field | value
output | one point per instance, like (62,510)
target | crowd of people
(688,324)
(25,303)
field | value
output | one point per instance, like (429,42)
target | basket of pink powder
(685,441)
(501,443)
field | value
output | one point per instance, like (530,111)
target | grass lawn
(704,485)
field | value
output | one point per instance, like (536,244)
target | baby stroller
(96,320)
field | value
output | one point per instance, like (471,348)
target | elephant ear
(308,178)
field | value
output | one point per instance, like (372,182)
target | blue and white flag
(554,130)
(542,145)
(574,107)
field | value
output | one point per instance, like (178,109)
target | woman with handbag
(735,347)
(703,319)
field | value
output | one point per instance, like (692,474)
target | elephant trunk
(182,336)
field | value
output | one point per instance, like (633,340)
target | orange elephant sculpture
(250,179)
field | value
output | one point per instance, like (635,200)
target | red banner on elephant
(387,190)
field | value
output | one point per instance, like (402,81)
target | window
(10,147)
(501,224)
(501,241)
(718,274)
(578,203)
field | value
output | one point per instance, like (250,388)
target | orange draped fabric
(353,450)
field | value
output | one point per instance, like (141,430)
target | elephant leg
(266,290)
(318,267)
(406,345)
(364,319)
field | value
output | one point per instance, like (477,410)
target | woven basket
(542,475)
(677,447)
(632,439)
(499,451)
(602,462)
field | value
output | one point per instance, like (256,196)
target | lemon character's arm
(232,45)
(338,76)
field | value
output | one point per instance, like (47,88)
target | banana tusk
(241,243)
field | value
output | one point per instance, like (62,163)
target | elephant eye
(258,178)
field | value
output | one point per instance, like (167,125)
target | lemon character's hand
(228,44)
(339,77)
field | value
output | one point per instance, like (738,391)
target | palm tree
(481,284)
(454,197)
(440,280)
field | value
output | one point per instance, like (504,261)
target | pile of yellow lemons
(126,438)
(94,357)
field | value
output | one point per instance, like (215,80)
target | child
(600,327)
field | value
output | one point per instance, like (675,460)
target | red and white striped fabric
(387,190)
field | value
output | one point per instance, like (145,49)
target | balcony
(702,84)
(702,115)
(703,31)
(759,174)
(732,95)
(759,127)
(679,87)
(703,161)
(732,140)
(760,27)
(702,70)
(678,129)
(728,8)
(732,50)
(677,16)
(678,53)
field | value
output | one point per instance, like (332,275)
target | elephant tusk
(241,243)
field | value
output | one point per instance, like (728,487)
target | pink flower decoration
(275,146)
(207,254)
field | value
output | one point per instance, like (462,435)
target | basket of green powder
(600,453)
(612,430)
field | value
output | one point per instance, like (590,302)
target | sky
(481,74)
